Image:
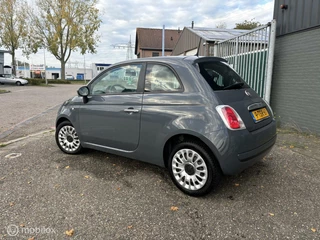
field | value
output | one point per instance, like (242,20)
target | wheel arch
(60,120)
(172,141)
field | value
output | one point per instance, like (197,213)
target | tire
(18,83)
(67,138)
(192,169)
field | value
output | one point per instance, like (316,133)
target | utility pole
(45,67)
(129,50)
(163,37)
(84,68)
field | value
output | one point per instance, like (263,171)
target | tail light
(230,117)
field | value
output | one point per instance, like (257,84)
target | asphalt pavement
(47,194)
(29,109)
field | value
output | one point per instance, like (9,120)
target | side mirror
(84,92)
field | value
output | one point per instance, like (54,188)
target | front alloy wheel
(67,138)
(192,169)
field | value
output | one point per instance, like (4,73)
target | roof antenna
(197,54)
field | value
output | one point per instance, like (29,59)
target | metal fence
(251,55)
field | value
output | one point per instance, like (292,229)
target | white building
(39,71)
(98,68)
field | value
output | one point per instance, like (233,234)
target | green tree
(13,26)
(248,25)
(65,26)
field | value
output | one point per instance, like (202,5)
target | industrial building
(38,71)
(149,42)
(98,68)
(193,38)
(296,75)
(2,52)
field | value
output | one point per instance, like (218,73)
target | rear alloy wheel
(192,169)
(18,83)
(67,138)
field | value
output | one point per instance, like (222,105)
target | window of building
(155,54)
(160,78)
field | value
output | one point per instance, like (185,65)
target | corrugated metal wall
(296,80)
(300,15)
(296,75)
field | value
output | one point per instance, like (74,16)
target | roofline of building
(5,51)
(213,29)
(157,49)
(167,29)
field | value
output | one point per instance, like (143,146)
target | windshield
(220,76)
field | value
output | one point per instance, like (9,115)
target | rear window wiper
(234,86)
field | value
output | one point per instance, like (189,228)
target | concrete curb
(25,137)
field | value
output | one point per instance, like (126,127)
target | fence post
(271,47)
(237,54)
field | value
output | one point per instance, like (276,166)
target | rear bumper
(249,156)
(236,160)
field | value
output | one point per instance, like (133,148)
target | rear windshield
(220,76)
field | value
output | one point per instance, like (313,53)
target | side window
(160,78)
(219,75)
(216,77)
(117,80)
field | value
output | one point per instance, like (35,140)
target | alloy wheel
(68,138)
(189,169)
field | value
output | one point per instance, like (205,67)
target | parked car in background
(12,79)
(69,77)
(193,115)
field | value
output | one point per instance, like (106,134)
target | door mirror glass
(83,91)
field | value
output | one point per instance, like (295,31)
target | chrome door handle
(131,110)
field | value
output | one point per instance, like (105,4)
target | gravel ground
(102,196)
(46,194)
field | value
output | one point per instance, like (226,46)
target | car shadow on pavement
(132,173)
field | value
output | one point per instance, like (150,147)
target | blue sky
(120,18)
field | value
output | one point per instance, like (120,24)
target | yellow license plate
(260,114)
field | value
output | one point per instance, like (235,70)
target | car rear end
(248,119)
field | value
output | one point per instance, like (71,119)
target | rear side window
(160,78)
(220,76)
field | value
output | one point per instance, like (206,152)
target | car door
(6,79)
(2,79)
(111,117)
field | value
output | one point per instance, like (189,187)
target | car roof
(175,59)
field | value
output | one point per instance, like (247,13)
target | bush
(39,81)
(57,81)
(34,81)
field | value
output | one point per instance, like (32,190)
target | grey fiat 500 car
(192,115)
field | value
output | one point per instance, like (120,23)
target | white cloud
(121,18)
